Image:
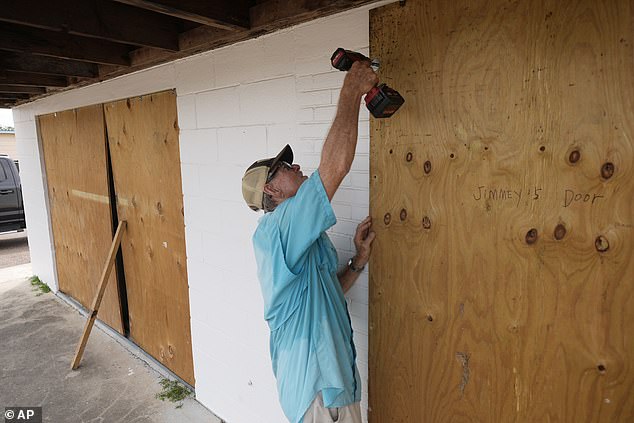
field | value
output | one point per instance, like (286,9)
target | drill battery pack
(382,101)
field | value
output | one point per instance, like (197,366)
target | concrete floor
(38,337)
(14,248)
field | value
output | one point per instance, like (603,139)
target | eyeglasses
(280,165)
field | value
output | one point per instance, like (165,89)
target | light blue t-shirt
(311,336)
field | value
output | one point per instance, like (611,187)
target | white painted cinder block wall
(235,105)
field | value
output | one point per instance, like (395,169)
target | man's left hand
(363,242)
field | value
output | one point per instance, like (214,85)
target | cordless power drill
(382,101)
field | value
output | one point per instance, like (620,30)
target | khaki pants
(317,413)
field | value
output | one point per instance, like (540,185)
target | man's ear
(270,190)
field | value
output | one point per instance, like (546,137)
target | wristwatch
(353,268)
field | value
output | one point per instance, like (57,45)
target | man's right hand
(360,78)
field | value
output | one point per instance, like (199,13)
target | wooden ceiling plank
(21,89)
(13,96)
(291,12)
(206,38)
(47,65)
(31,79)
(266,17)
(227,14)
(101,19)
(48,43)
(269,16)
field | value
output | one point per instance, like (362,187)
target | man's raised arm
(341,142)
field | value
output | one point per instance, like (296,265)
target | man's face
(287,178)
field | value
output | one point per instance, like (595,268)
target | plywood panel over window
(75,157)
(143,139)
(502,279)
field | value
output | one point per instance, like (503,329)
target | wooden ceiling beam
(47,43)
(205,38)
(47,65)
(32,79)
(284,13)
(21,89)
(265,17)
(101,19)
(230,15)
(13,96)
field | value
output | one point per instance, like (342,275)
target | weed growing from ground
(173,391)
(38,285)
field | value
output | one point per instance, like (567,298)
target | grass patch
(173,391)
(38,285)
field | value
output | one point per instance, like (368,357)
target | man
(311,342)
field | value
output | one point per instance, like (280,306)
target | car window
(3,174)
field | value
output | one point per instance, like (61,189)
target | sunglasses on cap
(281,164)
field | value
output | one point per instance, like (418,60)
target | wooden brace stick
(105,275)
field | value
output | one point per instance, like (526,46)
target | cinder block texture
(235,105)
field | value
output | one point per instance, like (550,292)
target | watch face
(354,269)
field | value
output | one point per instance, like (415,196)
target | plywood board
(502,278)
(143,139)
(74,148)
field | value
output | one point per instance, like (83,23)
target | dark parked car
(11,205)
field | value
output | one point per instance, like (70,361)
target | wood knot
(560,232)
(427,166)
(601,368)
(601,244)
(607,170)
(542,148)
(531,236)
(403,214)
(409,156)
(387,218)
(574,156)
(426,222)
